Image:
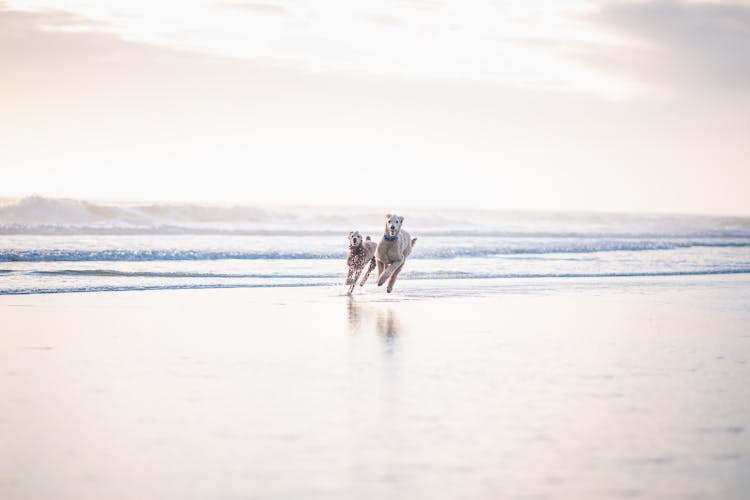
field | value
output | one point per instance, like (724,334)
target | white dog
(360,253)
(392,251)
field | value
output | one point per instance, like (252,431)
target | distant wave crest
(60,216)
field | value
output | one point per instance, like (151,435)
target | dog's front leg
(349,275)
(369,270)
(389,271)
(381,270)
(356,277)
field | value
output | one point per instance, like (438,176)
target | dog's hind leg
(394,275)
(369,270)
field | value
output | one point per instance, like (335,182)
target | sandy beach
(535,389)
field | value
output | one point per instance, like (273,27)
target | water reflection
(354,313)
(363,317)
(387,323)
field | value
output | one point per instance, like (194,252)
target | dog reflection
(387,324)
(361,316)
(354,313)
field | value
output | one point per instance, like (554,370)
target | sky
(609,105)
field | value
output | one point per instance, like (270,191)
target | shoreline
(495,284)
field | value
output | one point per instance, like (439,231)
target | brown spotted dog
(361,252)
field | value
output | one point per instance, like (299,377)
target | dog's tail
(413,241)
(367,238)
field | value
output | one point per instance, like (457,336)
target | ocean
(65,245)
(521,355)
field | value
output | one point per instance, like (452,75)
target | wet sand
(538,389)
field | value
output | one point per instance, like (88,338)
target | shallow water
(541,390)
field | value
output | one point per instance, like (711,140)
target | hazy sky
(510,104)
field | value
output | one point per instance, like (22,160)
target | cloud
(87,113)
(257,8)
(680,45)
(384,20)
(66,93)
(53,47)
(57,57)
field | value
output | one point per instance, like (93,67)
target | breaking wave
(146,255)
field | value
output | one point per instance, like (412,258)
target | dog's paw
(389,289)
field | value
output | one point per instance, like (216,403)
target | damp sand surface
(574,388)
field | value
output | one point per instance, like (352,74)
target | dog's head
(355,239)
(393,225)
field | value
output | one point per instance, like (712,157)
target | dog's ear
(401,220)
(367,238)
(387,216)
